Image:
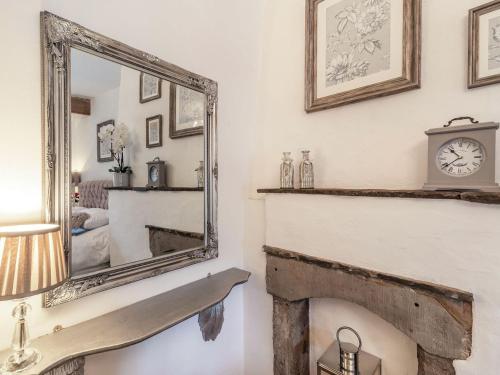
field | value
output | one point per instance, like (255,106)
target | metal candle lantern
(342,358)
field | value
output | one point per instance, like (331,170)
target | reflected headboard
(94,194)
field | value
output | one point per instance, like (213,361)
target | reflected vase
(121,179)
(200,174)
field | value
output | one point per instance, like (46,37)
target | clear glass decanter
(306,172)
(286,171)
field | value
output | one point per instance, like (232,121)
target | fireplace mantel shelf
(64,351)
(469,196)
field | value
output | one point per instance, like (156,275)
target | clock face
(460,157)
(154,174)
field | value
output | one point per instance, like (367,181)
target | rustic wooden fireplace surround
(437,318)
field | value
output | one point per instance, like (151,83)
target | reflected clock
(462,157)
(156,174)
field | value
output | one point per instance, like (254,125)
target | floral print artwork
(358,39)
(494,44)
(191,108)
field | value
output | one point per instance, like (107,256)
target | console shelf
(64,351)
(469,196)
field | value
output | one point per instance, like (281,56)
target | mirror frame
(58,36)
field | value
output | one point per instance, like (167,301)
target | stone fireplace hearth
(437,318)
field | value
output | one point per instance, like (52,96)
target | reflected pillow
(78,219)
(98,218)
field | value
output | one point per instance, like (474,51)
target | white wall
(212,38)
(130,211)
(377,143)
(104,107)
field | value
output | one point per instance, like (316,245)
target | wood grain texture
(167,240)
(411,62)
(80,106)
(291,337)
(437,318)
(134,323)
(476,197)
(429,364)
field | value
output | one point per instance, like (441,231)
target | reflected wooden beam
(80,106)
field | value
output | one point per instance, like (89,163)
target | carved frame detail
(58,36)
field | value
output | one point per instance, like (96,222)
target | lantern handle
(471,119)
(353,331)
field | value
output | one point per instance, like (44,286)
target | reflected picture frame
(484,45)
(178,104)
(101,156)
(149,88)
(154,131)
(377,62)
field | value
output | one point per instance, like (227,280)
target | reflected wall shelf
(145,189)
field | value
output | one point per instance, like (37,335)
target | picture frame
(103,155)
(149,87)
(187,112)
(154,131)
(348,60)
(484,45)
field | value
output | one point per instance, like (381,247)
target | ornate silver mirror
(130,160)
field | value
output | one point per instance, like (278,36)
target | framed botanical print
(484,45)
(360,49)
(104,150)
(150,88)
(154,131)
(187,111)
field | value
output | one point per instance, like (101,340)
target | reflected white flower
(106,132)
(342,68)
(120,137)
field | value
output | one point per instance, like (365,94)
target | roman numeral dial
(460,157)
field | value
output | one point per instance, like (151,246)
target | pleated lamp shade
(31,260)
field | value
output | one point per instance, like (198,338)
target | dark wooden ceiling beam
(80,106)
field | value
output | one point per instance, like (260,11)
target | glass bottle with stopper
(200,174)
(286,171)
(306,172)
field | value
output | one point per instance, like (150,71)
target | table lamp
(31,262)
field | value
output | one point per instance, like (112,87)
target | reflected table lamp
(31,262)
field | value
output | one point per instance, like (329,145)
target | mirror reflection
(137,161)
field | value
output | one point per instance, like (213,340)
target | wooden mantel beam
(437,318)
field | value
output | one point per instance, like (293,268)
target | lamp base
(20,361)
